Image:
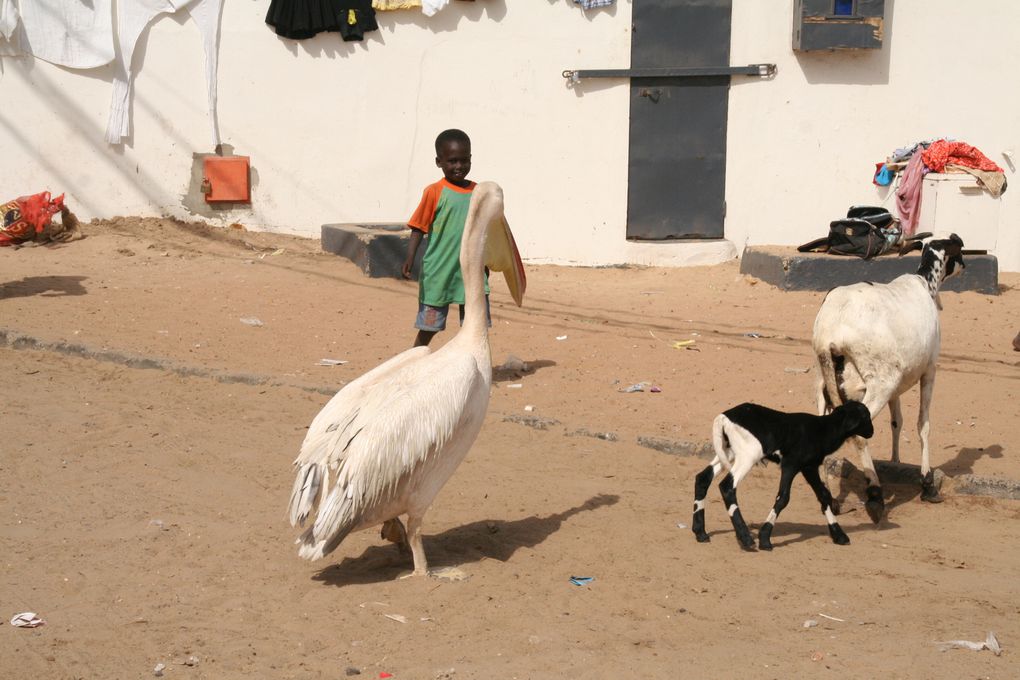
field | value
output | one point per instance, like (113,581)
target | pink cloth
(908,195)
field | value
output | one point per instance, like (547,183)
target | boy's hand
(412,250)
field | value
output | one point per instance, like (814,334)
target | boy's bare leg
(424,338)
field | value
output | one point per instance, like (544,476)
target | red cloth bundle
(942,153)
(23,218)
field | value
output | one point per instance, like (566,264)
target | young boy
(441,214)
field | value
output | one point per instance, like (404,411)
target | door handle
(653,94)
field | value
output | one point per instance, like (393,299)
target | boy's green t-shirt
(442,214)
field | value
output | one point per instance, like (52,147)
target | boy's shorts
(434,318)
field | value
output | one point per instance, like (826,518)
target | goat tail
(721,442)
(830,384)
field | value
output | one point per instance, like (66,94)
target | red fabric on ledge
(941,153)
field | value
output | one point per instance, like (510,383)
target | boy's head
(453,156)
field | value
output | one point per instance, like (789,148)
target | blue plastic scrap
(581,580)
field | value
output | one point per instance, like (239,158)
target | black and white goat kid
(749,434)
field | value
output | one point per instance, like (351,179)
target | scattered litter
(636,387)
(331,362)
(754,335)
(581,580)
(251,321)
(158,670)
(990,643)
(831,618)
(191,661)
(278,251)
(396,617)
(561,337)
(795,369)
(27,620)
(818,656)
(529,408)
(158,523)
(810,623)
(683,344)
(384,674)
(681,525)
(655,388)
(351,670)
(514,386)
(378,604)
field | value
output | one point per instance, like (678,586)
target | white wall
(343,132)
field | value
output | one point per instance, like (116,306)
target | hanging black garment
(302,19)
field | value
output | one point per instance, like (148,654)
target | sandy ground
(142,502)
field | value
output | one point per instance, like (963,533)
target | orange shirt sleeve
(426,211)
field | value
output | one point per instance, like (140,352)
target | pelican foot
(394,532)
(449,574)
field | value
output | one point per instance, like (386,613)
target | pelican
(386,443)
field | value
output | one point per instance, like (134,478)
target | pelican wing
(329,425)
(398,424)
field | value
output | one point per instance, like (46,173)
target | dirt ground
(147,435)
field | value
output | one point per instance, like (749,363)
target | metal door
(677,167)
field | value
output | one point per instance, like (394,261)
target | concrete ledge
(378,249)
(785,268)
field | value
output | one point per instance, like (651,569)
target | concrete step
(785,268)
(378,249)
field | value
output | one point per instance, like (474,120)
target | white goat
(875,341)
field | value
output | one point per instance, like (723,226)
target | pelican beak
(501,255)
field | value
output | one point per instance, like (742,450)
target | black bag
(856,236)
(865,232)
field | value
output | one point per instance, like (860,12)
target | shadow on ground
(470,543)
(47,286)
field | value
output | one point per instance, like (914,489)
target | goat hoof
(929,492)
(703,538)
(839,537)
(765,546)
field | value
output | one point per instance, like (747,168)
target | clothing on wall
(70,33)
(593,4)
(9,22)
(430,7)
(303,19)
(132,18)
(391,5)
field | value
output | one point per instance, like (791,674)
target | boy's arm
(412,250)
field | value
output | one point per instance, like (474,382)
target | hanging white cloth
(430,7)
(71,33)
(9,20)
(132,18)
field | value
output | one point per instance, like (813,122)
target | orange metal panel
(225,178)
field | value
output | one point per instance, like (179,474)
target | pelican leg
(421,566)
(394,532)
